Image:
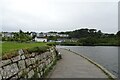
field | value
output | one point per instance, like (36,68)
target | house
(63,35)
(40,39)
(41,35)
(7,34)
(52,34)
(33,34)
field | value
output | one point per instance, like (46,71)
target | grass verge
(8,47)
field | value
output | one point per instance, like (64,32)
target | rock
(22,57)
(10,70)
(39,76)
(20,52)
(33,54)
(32,60)
(31,74)
(7,72)
(28,62)
(14,68)
(20,74)
(37,57)
(5,62)
(14,77)
(17,58)
(1,73)
(21,64)
(0,77)
(1,64)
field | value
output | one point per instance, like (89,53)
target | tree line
(93,37)
(19,37)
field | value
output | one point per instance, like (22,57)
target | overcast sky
(58,15)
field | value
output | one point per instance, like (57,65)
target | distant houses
(7,34)
(43,37)
(38,37)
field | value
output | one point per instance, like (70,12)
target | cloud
(59,15)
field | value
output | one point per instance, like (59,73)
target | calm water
(106,56)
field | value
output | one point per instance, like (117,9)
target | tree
(118,34)
(88,41)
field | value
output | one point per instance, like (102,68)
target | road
(74,66)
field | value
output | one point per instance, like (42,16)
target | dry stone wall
(27,66)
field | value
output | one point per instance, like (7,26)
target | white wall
(40,39)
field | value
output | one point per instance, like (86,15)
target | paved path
(74,66)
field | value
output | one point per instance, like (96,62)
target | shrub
(40,49)
(51,44)
(9,55)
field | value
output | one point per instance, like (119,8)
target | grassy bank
(12,46)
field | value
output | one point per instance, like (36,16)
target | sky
(58,15)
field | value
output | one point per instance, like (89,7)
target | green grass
(12,46)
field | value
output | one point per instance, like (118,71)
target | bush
(40,49)
(9,55)
(51,44)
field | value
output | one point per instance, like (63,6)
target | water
(107,56)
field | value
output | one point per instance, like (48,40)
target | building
(33,34)
(52,34)
(7,34)
(63,35)
(39,39)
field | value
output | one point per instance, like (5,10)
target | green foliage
(51,43)
(40,49)
(52,38)
(88,41)
(9,55)
(21,37)
(8,47)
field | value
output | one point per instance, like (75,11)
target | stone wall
(27,65)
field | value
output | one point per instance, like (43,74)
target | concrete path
(74,66)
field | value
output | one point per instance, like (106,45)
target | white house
(39,39)
(7,34)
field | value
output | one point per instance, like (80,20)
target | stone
(14,77)
(19,74)
(22,74)
(28,61)
(10,70)
(40,67)
(33,54)
(1,73)
(49,60)
(37,57)
(21,64)
(31,74)
(5,62)
(17,58)
(39,76)
(32,60)
(41,73)
(1,64)
(0,77)
(7,72)
(14,68)
(22,57)
(20,52)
